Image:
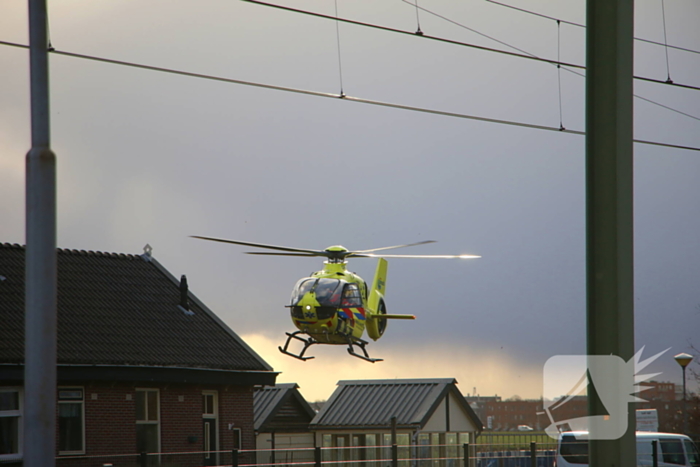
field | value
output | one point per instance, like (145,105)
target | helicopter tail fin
(378,285)
(375,304)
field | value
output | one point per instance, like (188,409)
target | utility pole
(40,259)
(609,219)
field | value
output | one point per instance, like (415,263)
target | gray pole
(609,221)
(40,262)
(685,407)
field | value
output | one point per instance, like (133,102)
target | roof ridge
(73,251)
(397,381)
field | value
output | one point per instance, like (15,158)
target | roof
(121,310)
(373,403)
(281,408)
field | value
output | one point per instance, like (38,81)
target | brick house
(143,365)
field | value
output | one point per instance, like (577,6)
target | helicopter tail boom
(384,316)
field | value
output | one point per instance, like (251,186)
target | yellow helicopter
(335,306)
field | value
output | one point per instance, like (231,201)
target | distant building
(479,405)
(507,415)
(143,365)
(658,391)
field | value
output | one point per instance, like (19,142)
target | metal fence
(474,455)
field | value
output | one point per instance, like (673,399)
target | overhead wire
(558,63)
(418,30)
(335,96)
(561,117)
(668,68)
(448,41)
(337,36)
(684,49)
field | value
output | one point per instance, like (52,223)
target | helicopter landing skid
(361,344)
(307,343)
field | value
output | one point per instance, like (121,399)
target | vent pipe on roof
(184,301)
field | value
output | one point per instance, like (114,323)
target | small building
(426,418)
(143,365)
(282,418)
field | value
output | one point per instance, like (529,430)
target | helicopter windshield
(328,291)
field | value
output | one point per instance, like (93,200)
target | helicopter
(335,306)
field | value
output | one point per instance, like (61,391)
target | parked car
(672,450)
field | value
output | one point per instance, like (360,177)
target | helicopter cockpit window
(351,296)
(328,292)
(301,289)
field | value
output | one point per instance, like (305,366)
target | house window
(71,421)
(10,424)
(147,420)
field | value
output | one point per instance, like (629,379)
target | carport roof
(373,403)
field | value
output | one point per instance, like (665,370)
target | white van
(672,450)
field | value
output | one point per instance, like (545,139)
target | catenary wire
(559,65)
(668,67)
(337,96)
(418,30)
(561,116)
(684,49)
(337,37)
(449,41)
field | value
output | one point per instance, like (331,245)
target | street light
(683,360)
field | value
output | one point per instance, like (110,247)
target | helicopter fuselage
(330,305)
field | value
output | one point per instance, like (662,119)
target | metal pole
(609,213)
(533,454)
(685,407)
(40,260)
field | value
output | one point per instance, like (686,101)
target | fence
(475,455)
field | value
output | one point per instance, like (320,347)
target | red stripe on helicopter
(353,313)
(347,314)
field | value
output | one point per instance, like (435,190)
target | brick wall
(110,416)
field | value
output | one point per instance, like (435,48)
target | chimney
(184,302)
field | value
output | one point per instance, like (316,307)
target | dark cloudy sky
(148,157)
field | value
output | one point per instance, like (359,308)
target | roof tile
(119,309)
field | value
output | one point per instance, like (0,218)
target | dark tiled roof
(281,408)
(117,309)
(373,403)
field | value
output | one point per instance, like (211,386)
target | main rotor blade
(424,256)
(392,247)
(262,245)
(264,253)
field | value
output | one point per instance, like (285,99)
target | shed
(282,418)
(430,419)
